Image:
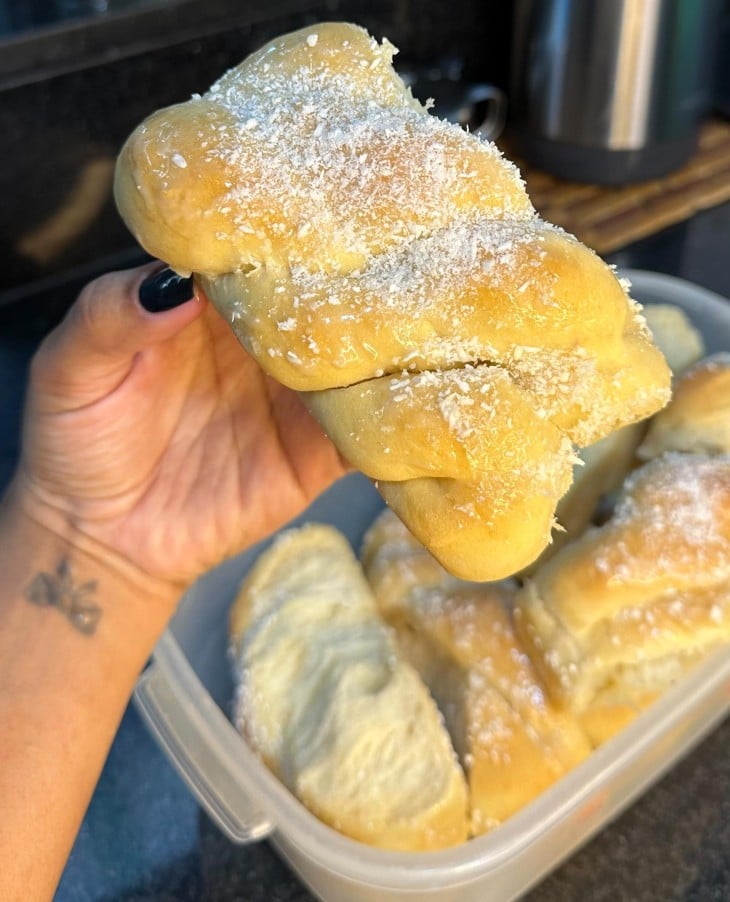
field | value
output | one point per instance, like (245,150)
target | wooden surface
(607,218)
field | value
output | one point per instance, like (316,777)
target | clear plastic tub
(186,691)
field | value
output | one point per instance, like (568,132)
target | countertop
(145,838)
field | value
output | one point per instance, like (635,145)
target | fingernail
(164,290)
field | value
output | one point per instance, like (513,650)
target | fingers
(95,345)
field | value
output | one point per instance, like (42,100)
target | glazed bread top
(368,254)
(304,154)
(346,233)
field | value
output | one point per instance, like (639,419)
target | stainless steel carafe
(611,91)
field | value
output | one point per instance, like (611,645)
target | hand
(155,439)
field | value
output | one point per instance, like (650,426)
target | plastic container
(186,691)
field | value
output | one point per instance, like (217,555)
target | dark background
(71,93)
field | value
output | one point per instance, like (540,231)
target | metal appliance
(611,91)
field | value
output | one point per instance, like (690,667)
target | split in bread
(330,705)
(352,239)
(511,739)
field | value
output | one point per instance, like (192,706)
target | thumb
(95,346)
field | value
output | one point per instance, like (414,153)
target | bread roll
(603,465)
(618,615)
(513,742)
(350,237)
(697,418)
(452,496)
(675,335)
(332,708)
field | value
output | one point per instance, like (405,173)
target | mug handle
(495,114)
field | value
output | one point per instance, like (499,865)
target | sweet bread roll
(513,742)
(332,708)
(602,466)
(675,336)
(458,456)
(697,418)
(620,614)
(350,237)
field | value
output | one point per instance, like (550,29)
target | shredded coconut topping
(325,139)
(678,506)
(350,236)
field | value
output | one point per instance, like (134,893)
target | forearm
(68,662)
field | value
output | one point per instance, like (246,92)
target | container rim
(475,858)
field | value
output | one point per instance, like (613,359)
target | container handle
(181,733)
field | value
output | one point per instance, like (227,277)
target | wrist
(52,548)
(77,629)
(25,505)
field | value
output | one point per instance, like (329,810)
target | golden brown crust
(460,456)
(697,419)
(304,154)
(347,235)
(513,741)
(621,613)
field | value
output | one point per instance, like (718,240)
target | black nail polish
(164,290)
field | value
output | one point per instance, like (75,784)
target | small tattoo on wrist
(57,590)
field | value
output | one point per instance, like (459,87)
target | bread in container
(332,708)
(603,465)
(620,614)
(675,335)
(697,419)
(513,741)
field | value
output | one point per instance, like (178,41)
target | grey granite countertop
(144,837)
